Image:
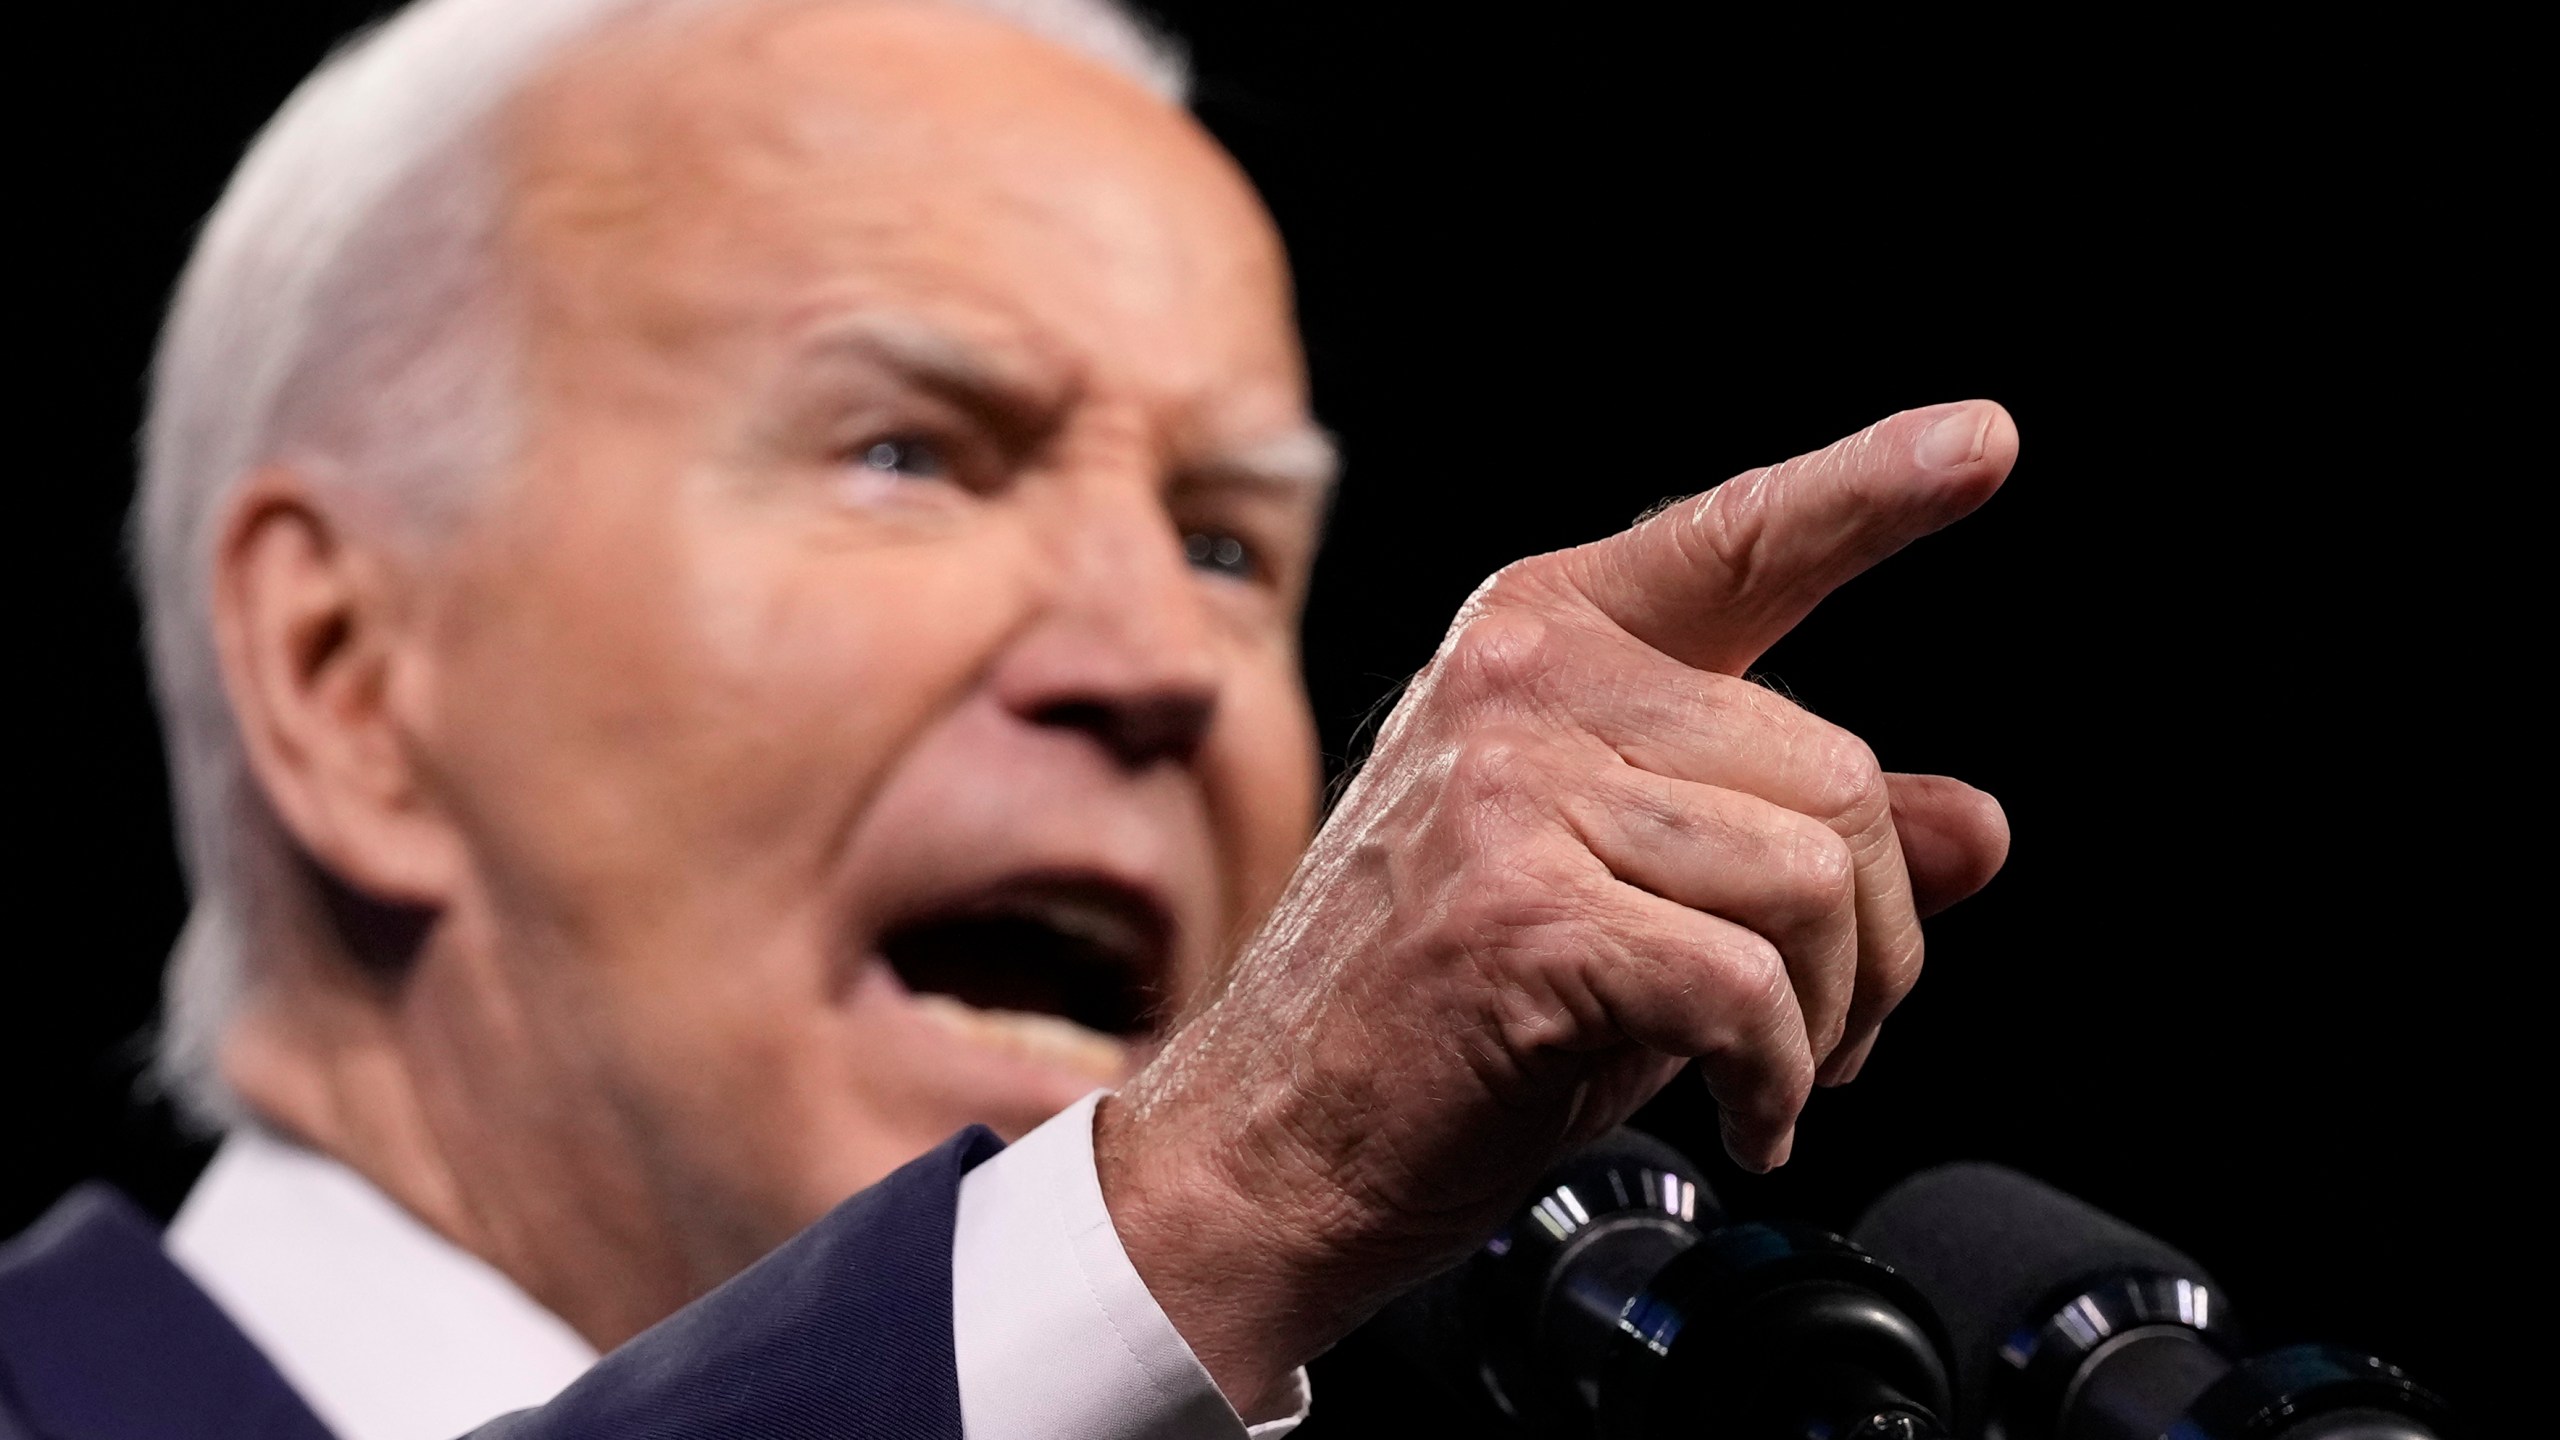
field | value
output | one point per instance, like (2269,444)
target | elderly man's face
(898,595)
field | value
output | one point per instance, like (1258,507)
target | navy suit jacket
(845,1331)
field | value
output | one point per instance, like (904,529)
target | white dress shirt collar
(385,1328)
(391,1332)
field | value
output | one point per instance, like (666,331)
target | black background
(2229,645)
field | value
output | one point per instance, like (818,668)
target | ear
(318,662)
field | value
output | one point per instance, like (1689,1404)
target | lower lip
(1044,1041)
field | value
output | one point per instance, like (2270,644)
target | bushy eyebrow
(1300,464)
(1008,380)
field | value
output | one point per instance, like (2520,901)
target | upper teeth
(1096,925)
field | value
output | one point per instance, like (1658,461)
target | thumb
(1954,837)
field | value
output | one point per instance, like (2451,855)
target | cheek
(817,669)
(663,725)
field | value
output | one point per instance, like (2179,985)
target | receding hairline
(1291,455)
(679,46)
(662,64)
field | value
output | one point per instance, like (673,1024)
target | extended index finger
(1715,580)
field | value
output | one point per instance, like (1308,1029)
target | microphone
(1620,1302)
(2069,1324)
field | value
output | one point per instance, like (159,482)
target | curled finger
(1773,871)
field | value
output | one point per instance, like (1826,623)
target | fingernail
(1956,440)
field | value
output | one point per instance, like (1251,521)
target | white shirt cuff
(1055,1336)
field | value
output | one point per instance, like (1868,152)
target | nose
(1123,651)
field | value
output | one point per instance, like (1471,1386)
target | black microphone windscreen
(1989,1246)
(1440,1326)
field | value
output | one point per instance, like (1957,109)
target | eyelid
(965,458)
(863,406)
(1280,522)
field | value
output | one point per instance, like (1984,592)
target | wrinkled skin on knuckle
(1537,1007)
(1495,905)
(1757,1020)
(1509,659)
(1844,781)
(1522,901)
(1491,768)
(1759,990)
(1725,533)
(1485,948)
(1499,657)
(1481,872)
(1818,875)
(1670,993)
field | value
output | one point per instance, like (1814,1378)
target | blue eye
(1218,554)
(904,460)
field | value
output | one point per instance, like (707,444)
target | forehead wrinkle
(1299,462)
(683,206)
(638,124)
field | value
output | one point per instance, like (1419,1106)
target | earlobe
(307,620)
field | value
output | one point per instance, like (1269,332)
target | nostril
(1138,730)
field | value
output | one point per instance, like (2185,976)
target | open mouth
(1089,952)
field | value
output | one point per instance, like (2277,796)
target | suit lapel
(102,1336)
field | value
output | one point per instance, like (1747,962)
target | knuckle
(1821,874)
(1726,531)
(1845,779)
(1522,890)
(1500,651)
(1492,763)
(1760,988)
(1519,930)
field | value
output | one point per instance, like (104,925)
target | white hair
(340,312)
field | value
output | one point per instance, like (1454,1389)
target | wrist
(1233,1273)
